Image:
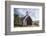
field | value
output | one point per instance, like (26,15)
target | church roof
(26,17)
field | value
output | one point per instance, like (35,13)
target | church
(26,20)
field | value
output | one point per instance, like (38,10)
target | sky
(32,12)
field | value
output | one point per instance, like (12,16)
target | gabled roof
(26,17)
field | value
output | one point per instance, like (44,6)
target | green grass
(17,25)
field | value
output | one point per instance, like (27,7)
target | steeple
(26,13)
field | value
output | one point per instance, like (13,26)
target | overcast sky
(34,13)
